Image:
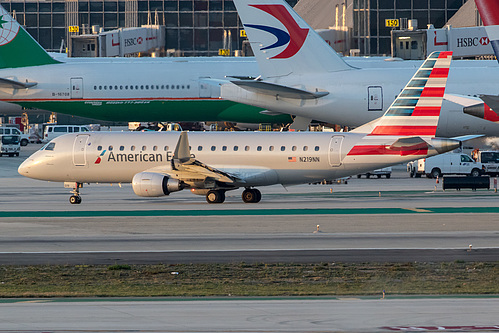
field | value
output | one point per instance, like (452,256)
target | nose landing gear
(251,195)
(75,198)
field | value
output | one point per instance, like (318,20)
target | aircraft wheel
(215,196)
(251,195)
(75,199)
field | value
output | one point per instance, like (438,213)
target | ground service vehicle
(53,131)
(11,130)
(387,172)
(489,160)
(10,144)
(447,164)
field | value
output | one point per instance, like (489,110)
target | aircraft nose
(25,167)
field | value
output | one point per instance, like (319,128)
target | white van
(448,164)
(10,144)
(11,130)
(53,131)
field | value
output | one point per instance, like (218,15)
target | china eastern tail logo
(294,37)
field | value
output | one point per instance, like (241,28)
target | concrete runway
(414,314)
(400,218)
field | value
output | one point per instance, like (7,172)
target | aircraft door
(76,88)
(80,150)
(335,150)
(375,98)
(204,88)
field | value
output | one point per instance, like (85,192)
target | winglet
(182,152)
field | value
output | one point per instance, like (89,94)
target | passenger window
(155,148)
(122,148)
(466,158)
(236,148)
(247,148)
(213,148)
(224,148)
(132,148)
(271,148)
(70,129)
(61,129)
(144,148)
(99,148)
(305,148)
(110,148)
(166,148)
(316,148)
(283,148)
(259,148)
(293,148)
(200,148)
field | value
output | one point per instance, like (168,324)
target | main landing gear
(251,195)
(75,198)
(215,196)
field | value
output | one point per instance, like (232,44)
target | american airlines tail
(283,43)
(17,47)
(416,109)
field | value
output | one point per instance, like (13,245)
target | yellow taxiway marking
(418,210)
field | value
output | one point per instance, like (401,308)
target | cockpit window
(50,146)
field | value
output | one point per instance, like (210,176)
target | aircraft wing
(7,83)
(187,168)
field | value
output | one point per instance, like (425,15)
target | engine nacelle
(150,184)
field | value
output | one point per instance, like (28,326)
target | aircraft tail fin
(283,43)
(416,110)
(489,12)
(17,47)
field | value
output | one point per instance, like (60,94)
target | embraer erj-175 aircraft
(303,76)
(213,163)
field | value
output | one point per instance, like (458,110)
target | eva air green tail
(17,47)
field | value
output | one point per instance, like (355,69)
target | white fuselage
(259,158)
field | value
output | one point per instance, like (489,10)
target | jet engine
(150,184)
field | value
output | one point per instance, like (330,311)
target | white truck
(10,144)
(445,164)
(489,160)
(12,130)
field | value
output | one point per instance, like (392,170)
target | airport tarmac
(400,213)
(296,314)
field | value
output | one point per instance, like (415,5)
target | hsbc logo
(472,41)
(133,41)
(484,41)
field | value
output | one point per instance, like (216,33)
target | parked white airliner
(303,76)
(213,163)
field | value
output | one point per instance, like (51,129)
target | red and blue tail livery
(416,110)
(295,37)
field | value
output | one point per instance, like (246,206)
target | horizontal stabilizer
(409,142)
(492,101)
(6,83)
(273,89)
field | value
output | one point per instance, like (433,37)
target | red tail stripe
(420,111)
(445,54)
(433,92)
(382,150)
(404,130)
(490,114)
(439,72)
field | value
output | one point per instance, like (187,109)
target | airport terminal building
(202,27)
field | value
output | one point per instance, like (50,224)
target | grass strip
(241,279)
